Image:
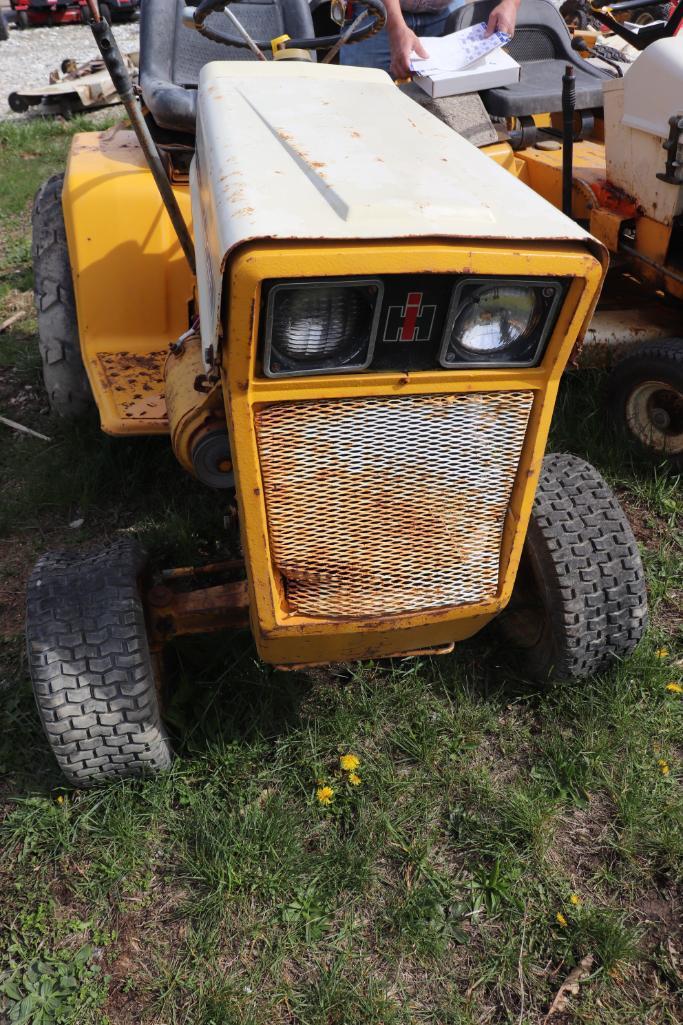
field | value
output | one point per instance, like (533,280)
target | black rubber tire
(66,381)
(650,362)
(21,20)
(4,33)
(105,12)
(92,672)
(579,602)
(17,103)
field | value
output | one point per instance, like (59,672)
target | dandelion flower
(662,652)
(561,920)
(354,779)
(325,795)
(60,799)
(575,900)
(663,766)
(349,763)
(674,688)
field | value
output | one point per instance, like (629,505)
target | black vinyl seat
(541,46)
(171,55)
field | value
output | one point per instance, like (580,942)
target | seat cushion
(172,55)
(539,90)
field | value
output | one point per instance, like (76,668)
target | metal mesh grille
(531,43)
(385,505)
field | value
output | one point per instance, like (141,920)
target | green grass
(224,893)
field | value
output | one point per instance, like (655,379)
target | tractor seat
(541,46)
(171,55)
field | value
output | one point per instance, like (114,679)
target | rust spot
(135,381)
(613,198)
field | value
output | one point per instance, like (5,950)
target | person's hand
(403,42)
(503,18)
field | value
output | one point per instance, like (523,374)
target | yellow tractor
(606,146)
(338,308)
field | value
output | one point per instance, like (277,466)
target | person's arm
(503,17)
(402,40)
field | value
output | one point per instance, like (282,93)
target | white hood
(289,150)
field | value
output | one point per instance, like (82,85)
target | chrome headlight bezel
(550,292)
(289,367)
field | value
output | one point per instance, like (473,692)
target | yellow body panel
(131,281)
(283,638)
(544,174)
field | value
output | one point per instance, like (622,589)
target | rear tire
(21,20)
(646,398)
(4,33)
(90,664)
(579,602)
(66,381)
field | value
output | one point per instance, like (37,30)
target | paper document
(458,50)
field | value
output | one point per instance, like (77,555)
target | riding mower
(606,146)
(345,315)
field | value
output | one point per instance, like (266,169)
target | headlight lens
(494,319)
(320,327)
(501,324)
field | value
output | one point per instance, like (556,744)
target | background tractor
(607,147)
(341,311)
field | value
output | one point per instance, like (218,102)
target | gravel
(28,57)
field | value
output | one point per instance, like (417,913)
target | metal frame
(456,308)
(283,638)
(320,283)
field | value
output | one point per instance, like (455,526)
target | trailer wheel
(93,676)
(17,103)
(646,398)
(21,19)
(66,381)
(579,601)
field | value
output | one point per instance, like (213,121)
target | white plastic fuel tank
(638,109)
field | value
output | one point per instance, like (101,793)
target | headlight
(499,324)
(318,327)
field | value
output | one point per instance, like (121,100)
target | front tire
(646,398)
(66,381)
(90,664)
(579,602)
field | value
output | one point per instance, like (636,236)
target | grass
(499,835)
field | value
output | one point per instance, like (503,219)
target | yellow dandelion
(561,920)
(349,763)
(354,779)
(674,688)
(662,652)
(60,799)
(663,766)
(575,900)
(325,795)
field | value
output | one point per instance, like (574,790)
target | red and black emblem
(412,322)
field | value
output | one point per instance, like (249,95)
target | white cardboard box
(495,69)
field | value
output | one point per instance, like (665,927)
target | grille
(386,505)
(531,43)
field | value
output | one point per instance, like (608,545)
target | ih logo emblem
(410,323)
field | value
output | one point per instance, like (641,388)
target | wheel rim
(654,413)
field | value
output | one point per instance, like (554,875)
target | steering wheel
(377,21)
(647,33)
